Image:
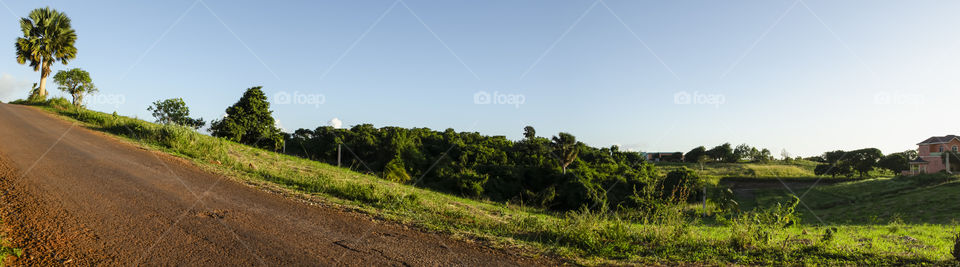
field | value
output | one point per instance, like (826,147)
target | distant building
(663,156)
(929,152)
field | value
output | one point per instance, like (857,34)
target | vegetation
(76,82)
(250,122)
(665,232)
(174,111)
(914,199)
(47,38)
(558,173)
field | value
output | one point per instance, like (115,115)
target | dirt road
(73,196)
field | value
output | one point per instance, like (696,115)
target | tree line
(861,162)
(727,153)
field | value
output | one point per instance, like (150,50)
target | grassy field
(915,200)
(796,168)
(671,235)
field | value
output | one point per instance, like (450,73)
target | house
(663,156)
(928,155)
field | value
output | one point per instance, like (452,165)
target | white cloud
(336,123)
(11,87)
(276,123)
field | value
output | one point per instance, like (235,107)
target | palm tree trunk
(43,81)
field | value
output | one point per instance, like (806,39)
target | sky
(802,76)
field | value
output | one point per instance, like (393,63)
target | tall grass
(663,234)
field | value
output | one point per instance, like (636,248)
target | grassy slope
(921,199)
(584,237)
(719,170)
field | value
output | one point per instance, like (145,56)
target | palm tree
(47,38)
(566,144)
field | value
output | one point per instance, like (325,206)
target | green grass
(670,235)
(796,168)
(916,199)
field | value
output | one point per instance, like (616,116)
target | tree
(721,153)
(76,82)
(47,38)
(566,144)
(862,160)
(250,122)
(833,170)
(174,111)
(833,157)
(742,151)
(765,155)
(695,154)
(910,154)
(896,162)
(529,133)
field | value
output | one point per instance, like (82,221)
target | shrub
(174,111)
(682,185)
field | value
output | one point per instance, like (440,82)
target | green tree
(47,38)
(529,133)
(76,82)
(896,162)
(250,122)
(174,111)
(742,151)
(566,145)
(765,155)
(721,153)
(862,160)
(695,154)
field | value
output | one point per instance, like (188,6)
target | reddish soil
(73,196)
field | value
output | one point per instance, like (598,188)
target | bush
(682,185)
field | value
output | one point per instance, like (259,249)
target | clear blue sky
(804,76)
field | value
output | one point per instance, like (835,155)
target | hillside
(668,234)
(795,168)
(919,200)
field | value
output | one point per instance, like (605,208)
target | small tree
(529,133)
(566,145)
(174,111)
(250,122)
(76,82)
